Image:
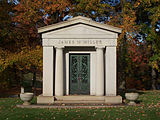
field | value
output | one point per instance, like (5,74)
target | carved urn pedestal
(131,97)
(26,97)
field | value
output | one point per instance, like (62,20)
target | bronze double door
(79,74)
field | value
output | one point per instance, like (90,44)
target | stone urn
(132,97)
(26,97)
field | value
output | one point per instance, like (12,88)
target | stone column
(100,72)
(48,60)
(110,65)
(59,72)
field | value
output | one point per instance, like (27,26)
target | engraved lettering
(82,42)
(78,42)
(85,42)
(65,42)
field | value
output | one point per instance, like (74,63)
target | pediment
(76,21)
(80,31)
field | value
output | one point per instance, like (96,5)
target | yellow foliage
(27,59)
(155,65)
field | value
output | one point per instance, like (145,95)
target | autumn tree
(23,51)
(7,41)
(148,17)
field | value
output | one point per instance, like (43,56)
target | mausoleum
(79,62)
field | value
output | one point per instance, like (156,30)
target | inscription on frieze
(79,42)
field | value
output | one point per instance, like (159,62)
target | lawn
(148,109)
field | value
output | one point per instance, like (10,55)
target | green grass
(148,109)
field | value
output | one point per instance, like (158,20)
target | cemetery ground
(148,108)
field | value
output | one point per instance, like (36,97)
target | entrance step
(79,101)
(79,98)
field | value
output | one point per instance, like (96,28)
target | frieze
(79,42)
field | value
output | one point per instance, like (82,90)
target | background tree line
(138,45)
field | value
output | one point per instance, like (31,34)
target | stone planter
(26,97)
(131,97)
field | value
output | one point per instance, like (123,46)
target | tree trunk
(15,76)
(153,79)
(34,83)
(153,70)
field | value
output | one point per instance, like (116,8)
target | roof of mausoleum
(79,20)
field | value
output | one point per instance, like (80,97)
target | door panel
(79,73)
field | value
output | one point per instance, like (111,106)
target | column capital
(100,47)
(110,46)
(59,47)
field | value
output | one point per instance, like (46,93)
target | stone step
(80,101)
(79,98)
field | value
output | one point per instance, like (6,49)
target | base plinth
(45,99)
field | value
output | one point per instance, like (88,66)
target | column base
(113,99)
(45,99)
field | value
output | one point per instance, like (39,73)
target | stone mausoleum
(79,62)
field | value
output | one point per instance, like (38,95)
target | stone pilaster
(100,72)
(48,65)
(59,72)
(110,65)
